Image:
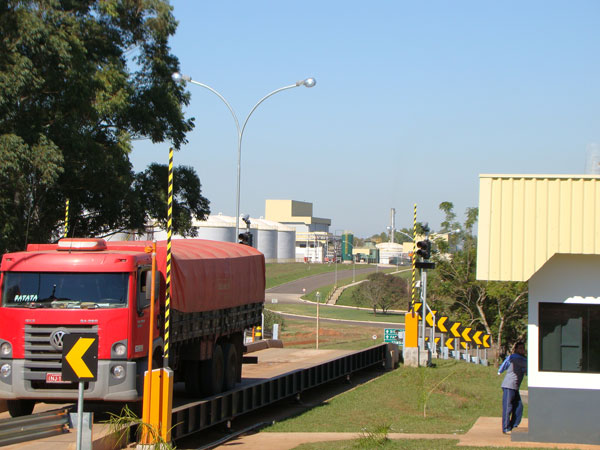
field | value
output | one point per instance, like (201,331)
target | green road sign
(393,335)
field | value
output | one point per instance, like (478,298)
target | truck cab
(77,286)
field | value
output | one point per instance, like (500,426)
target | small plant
(272,318)
(120,426)
(374,437)
(463,405)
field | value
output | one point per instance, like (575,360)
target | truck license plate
(54,378)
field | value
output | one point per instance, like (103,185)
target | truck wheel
(231,367)
(193,382)
(18,408)
(212,371)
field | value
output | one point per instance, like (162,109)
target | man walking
(512,406)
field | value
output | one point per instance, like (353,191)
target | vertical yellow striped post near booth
(168,271)
(67,219)
(411,319)
(161,393)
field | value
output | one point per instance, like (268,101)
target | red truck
(90,286)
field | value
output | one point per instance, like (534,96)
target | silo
(286,244)
(217,228)
(266,238)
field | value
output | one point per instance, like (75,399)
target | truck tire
(17,408)
(231,367)
(211,372)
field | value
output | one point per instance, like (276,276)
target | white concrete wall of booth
(566,279)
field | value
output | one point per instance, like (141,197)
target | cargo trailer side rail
(193,417)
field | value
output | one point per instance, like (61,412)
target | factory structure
(287,233)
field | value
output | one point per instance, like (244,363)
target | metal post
(318,301)
(79,415)
(424,301)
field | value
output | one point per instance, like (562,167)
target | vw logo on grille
(56,338)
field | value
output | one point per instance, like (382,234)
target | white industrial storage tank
(276,241)
(389,251)
(265,240)
(286,243)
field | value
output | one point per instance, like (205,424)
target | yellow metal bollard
(411,329)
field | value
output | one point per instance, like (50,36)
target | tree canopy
(79,81)
(500,308)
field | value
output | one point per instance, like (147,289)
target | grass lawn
(332,312)
(348,299)
(326,290)
(447,398)
(281,273)
(302,334)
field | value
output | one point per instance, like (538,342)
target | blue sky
(413,101)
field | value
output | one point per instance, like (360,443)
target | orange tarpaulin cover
(208,275)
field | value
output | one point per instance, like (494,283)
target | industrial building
(275,240)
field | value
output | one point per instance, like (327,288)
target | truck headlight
(120,349)
(118,371)
(5,349)
(5,370)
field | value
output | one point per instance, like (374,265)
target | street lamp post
(318,302)
(178,77)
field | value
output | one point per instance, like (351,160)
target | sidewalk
(485,433)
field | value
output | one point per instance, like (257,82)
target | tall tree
(499,307)
(79,80)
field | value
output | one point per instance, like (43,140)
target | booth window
(569,337)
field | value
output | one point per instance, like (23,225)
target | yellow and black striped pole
(414,260)
(67,219)
(168,272)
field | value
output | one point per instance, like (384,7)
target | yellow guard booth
(545,229)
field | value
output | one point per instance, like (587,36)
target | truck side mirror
(148,285)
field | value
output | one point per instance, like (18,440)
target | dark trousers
(512,409)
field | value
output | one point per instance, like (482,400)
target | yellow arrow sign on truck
(465,334)
(441,324)
(476,337)
(429,317)
(450,343)
(454,329)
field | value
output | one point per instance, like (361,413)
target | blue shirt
(516,368)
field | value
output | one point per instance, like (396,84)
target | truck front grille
(43,352)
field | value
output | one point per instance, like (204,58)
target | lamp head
(309,82)
(179,77)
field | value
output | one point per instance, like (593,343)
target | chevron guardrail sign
(476,337)
(486,340)
(450,343)
(454,329)
(465,334)
(429,317)
(441,324)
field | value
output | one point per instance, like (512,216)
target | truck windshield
(64,290)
